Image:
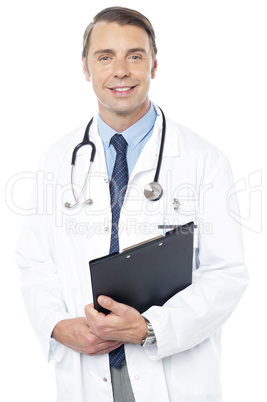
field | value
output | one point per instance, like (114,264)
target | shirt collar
(133,134)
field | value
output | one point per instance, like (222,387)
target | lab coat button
(105,379)
(106,180)
(136,377)
(106,229)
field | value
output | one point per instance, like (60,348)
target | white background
(211,78)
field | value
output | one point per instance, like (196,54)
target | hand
(76,334)
(123,324)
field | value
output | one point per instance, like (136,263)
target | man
(100,357)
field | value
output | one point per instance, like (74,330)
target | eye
(104,58)
(135,57)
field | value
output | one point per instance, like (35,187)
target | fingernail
(103,299)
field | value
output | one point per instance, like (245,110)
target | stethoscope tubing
(85,141)
(162,142)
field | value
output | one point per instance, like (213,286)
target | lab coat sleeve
(39,279)
(191,316)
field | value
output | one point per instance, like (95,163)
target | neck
(121,121)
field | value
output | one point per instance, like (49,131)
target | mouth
(122,91)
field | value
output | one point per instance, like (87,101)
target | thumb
(110,304)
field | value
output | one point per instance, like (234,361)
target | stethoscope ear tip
(69,205)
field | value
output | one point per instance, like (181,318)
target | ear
(86,72)
(154,69)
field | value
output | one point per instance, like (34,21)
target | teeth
(122,89)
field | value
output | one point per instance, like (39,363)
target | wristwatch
(150,338)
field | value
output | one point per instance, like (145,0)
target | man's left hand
(124,323)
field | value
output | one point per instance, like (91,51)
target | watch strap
(150,338)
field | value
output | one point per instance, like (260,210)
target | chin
(124,109)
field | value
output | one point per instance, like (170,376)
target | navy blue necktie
(118,185)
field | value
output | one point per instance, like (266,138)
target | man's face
(120,67)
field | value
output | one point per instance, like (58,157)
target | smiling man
(169,352)
(120,64)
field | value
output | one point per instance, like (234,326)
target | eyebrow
(111,51)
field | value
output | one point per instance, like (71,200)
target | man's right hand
(75,333)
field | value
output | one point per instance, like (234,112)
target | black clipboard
(146,274)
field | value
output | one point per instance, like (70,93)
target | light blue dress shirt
(136,136)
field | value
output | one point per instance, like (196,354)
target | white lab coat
(57,243)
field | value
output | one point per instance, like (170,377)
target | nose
(121,68)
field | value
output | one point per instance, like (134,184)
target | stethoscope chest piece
(153,191)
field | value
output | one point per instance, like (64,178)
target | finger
(92,314)
(99,349)
(111,305)
(89,308)
(106,349)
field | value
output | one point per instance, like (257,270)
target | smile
(122,90)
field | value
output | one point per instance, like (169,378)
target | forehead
(122,37)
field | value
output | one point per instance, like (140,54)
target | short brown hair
(120,16)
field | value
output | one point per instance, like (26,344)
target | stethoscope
(152,191)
